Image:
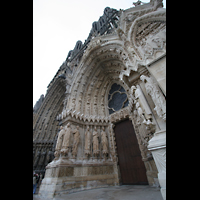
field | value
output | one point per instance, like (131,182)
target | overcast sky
(57,26)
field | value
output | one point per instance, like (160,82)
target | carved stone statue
(143,111)
(139,96)
(158,42)
(148,49)
(49,157)
(95,142)
(87,141)
(140,112)
(104,141)
(42,159)
(137,3)
(156,95)
(122,35)
(66,140)
(59,143)
(76,141)
(137,118)
(37,159)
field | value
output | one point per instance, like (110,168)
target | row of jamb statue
(63,142)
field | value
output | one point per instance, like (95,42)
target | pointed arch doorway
(132,168)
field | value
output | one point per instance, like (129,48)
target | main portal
(132,168)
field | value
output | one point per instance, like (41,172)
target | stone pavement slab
(124,192)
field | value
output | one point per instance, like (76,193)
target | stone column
(157,145)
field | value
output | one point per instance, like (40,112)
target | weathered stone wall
(62,180)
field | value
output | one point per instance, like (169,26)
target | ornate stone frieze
(85,118)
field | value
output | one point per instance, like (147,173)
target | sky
(57,26)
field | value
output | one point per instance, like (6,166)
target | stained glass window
(117,98)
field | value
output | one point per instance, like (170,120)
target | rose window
(117,98)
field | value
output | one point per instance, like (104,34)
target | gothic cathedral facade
(102,121)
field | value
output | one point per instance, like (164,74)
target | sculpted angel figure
(87,141)
(104,141)
(156,95)
(95,142)
(76,141)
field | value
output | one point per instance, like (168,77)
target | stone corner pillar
(157,145)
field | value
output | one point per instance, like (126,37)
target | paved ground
(124,192)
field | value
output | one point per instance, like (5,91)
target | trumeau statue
(76,141)
(95,142)
(156,95)
(104,141)
(87,141)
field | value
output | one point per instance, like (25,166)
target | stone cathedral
(102,121)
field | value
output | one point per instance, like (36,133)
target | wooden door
(132,169)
